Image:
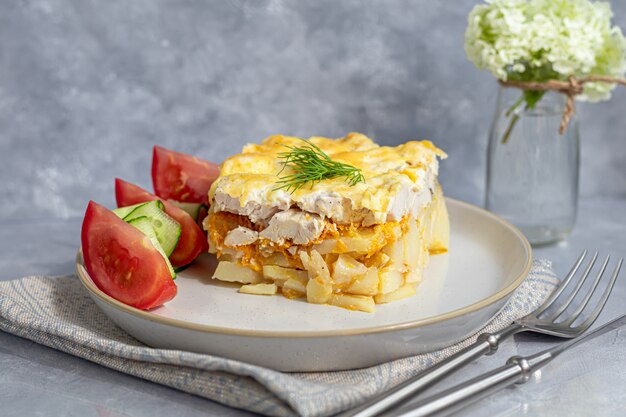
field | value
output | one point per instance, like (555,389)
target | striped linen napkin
(58,312)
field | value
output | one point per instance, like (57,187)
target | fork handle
(516,371)
(460,396)
(487,343)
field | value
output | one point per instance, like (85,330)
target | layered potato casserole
(359,236)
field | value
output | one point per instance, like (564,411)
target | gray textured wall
(87,87)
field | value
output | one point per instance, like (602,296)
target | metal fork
(540,321)
(517,370)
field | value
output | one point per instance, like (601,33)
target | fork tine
(562,286)
(585,300)
(605,296)
(574,293)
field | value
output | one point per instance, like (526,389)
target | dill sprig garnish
(312,165)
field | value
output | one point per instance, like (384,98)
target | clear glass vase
(532,170)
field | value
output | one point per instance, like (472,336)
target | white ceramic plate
(462,290)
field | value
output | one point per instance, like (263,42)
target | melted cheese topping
(398,181)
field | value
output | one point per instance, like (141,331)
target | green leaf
(532,97)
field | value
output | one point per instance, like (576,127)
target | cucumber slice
(167,230)
(122,212)
(125,211)
(144,225)
(193,209)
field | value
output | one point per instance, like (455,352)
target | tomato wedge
(192,241)
(182,177)
(122,261)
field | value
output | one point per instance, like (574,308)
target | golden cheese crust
(252,175)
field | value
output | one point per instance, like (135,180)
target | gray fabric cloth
(57,312)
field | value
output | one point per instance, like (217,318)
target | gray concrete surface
(87,87)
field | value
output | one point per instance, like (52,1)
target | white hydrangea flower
(534,40)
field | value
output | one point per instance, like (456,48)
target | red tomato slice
(122,261)
(192,241)
(182,177)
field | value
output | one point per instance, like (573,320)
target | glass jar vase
(532,170)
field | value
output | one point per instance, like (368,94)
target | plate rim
(85,279)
